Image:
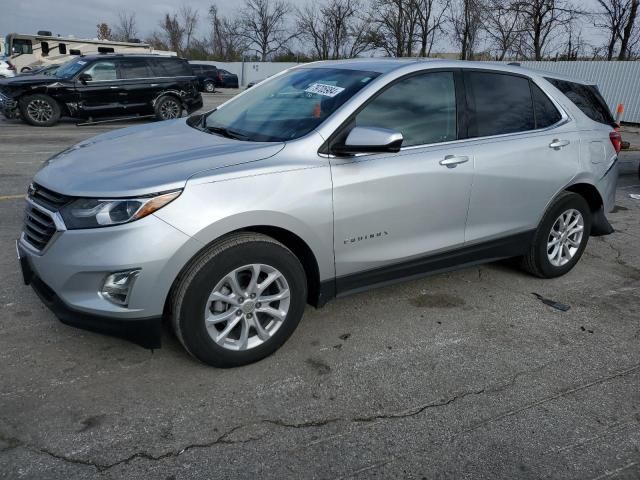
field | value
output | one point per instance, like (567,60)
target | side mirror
(370,140)
(84,78)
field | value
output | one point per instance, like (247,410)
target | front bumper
(69,273)
(8,106)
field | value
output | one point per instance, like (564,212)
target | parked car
(7,69)
(207,76)
(322,181)
(226,79)
(103,86)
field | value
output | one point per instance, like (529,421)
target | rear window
(171,67)
(499,103)
(587,98)
(546,112)
(130,69)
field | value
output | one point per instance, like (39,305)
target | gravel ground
(461,375)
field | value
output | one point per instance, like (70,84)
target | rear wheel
(39,110)
(239,301)
(168,108)
(209,87)
(561,237)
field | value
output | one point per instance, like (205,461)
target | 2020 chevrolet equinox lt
(323,180)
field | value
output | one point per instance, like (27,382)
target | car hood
(30,80)
(145,159)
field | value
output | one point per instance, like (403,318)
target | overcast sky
(79,18)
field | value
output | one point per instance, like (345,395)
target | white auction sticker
(325,90)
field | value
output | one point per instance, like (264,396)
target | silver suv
(324,180)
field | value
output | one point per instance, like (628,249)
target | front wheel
(560,238)
(39,110)
(168,108)
(239,301)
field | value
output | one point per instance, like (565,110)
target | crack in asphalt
(619,260)
(224,438)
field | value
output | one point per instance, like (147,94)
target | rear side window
(587,98)
(131,69)
(421,107)
(546,112)
(171,67)
(499,104)
(197,69)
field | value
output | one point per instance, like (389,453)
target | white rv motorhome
(27,52)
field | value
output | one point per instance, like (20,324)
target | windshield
(289,106)
(70,68)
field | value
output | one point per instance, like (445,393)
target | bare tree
(126,28)
(466,20)
(503,25)
(396,24)
(189,21)
(263,24)
(611,18)
(104,32)
(226,41)
(628,31)
(543,21)
(431,17)
(173,32)
(157,40)
(334,29)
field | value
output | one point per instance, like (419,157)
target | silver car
(324,180)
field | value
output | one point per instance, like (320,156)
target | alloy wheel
(247,307)
(565,237)
(169,109)
(40,111)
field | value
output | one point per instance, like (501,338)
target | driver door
(393,210)
(102,94)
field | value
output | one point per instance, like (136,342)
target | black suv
(207,75)
(103,86)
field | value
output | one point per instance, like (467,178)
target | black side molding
(498,249)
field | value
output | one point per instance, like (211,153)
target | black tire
(168,108)
(209,87)
(191,294)
(39,110)
(537,261)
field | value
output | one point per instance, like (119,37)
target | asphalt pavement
(460,375)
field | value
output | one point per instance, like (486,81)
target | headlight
(94,212)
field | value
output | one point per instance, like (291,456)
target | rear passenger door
(525,151)
(138,83)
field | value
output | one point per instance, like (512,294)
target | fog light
(118,285)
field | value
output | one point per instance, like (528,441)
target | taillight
(616,140)
(11,66)
(219,77)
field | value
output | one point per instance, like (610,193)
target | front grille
(38,227)
(47,198)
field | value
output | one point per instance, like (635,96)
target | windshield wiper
(226,132)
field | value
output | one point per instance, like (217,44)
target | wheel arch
(292,241)
(589,192)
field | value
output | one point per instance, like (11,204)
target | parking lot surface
(460,375)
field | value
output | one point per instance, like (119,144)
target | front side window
(499,104)
(102,71)
(131,69)
(288,106)
(421,107)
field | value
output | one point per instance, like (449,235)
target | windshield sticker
(325,90)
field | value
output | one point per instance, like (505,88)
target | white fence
(619,82)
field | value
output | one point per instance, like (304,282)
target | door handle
(557,144)
(452,161)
